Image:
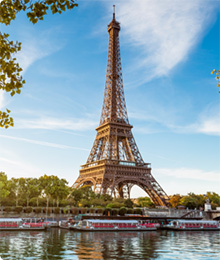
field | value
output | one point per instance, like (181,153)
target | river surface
(68,245)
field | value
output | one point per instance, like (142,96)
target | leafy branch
(10,72)
(217,73)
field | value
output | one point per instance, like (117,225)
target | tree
(29,189)
(11,79)
(60,189)
(192,201)
(128,203)
(214,199)
(175,200)
(3,187)
(217,73)
(15,189)
(145,202)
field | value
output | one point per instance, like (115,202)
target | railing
(115,162)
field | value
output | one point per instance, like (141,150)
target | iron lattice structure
(115,164)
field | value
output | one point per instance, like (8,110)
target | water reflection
(114,245)
(63,244)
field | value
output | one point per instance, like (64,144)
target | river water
(68,245)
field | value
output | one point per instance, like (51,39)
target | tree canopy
(11,79)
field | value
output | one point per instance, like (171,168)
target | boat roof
(110,221)
(194,221)
(10,219)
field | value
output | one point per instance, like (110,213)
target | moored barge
(17,224)
(193,225)
(113,225)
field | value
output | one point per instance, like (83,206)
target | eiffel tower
(115,164)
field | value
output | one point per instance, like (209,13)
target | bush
(107,212)
(122,211)
(38,210)
(74,211)
(56,210)
(66,210)
(18,209)
(83,211)
(99,211)
(7,209)
(115,212)
(130,211)
(91,210)
(129,203)
(138,211)
(28,209)
(115,205)
(47,210)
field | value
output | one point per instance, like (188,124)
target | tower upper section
(114,106)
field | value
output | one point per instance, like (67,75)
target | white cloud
(165,31)
(187,173)
(210,126)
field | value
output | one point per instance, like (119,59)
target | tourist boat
(65,224)
(113,225)
(16,224)
(193,225)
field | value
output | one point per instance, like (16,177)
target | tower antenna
(113,12)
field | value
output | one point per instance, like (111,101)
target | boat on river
(113,225)
(193,225)
(18,224)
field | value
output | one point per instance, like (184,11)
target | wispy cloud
(207,122)
(187,173)
(37,46)
(210,125)
(43,143)
(51,123)
(164,31)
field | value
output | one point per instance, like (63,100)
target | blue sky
(168,50)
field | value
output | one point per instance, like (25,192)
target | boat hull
(112,229)
(191,229)
(23,229)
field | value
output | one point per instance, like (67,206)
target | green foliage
(38,210)
(3,187)
(18,209)
(54,188)
(138,211)
(107,211)
(57,210)
(75,211)
(115,212)
(217,73)
(145,202)
(28,209)
(115,205)
(130,211)
(122,211)
(128,203)
(175,200)
(7,209)
(193,201)
(11,80)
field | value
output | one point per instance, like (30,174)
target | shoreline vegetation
(50,194)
